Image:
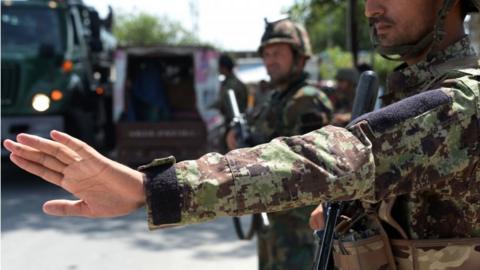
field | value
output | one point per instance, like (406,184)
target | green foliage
(335,58)
(383,67)
(332,60)
(326,22)
(143,29)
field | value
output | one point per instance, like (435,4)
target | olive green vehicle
(55,70)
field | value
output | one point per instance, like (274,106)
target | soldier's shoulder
(310,91)
(469,77)
(233,80)
(308,97)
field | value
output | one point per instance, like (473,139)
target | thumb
(66,208)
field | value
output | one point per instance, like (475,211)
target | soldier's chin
(275,81)
(384,41)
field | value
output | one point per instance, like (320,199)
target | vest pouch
(371,253)
(438,254)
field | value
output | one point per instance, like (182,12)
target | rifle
(239,123)
(365,97)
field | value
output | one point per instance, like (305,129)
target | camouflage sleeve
(309,109)
(402,148)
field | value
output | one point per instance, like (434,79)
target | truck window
(29,28)
(161,88)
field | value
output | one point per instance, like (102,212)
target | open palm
(104,187)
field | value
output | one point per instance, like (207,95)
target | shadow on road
(23,196)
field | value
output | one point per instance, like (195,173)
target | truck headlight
(41,102)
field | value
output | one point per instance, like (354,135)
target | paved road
(32,240)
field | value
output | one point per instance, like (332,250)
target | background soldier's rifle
(365,97)
(239,124)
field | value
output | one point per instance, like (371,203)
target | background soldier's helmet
(347,74)
(286,31)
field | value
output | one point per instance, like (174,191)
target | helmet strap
(431,41)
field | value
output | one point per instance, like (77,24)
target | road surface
(33,240)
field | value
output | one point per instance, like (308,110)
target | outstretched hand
(104,187)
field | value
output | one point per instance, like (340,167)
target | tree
(326,22)
(142,29)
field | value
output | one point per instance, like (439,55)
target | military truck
(162,102)
(55,69)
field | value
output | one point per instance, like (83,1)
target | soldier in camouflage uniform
(225,66)
(294,107)
(422,150)
(346,80)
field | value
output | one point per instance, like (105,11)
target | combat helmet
(286,31)
(348,74)
(433,38)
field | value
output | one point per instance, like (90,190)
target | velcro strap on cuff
(163,193)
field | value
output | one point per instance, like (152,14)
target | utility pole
(194,14)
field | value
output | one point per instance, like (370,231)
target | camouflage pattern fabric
(363,254)
(442,254)
(286,31)
(424,149)
(288,243)
(299,109)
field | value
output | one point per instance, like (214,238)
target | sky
(233,25)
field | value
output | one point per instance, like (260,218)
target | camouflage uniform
(241,93)
(300,108)
(424,148)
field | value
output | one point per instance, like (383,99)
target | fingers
(231,140)
(316,221)
(35,156)
(67,208)
(83,149)
(36,169)
(52,148)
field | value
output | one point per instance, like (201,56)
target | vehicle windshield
(31,28)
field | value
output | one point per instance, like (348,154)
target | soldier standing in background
(346,83)
(226,66)
(419,156)
(293,107)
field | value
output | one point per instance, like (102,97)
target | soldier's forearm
(283,174)
(368,162)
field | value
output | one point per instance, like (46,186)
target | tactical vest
(272,112)
(377,250)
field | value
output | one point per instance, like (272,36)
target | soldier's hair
(226,61)
(464,6)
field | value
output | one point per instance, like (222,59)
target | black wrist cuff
(163,193)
